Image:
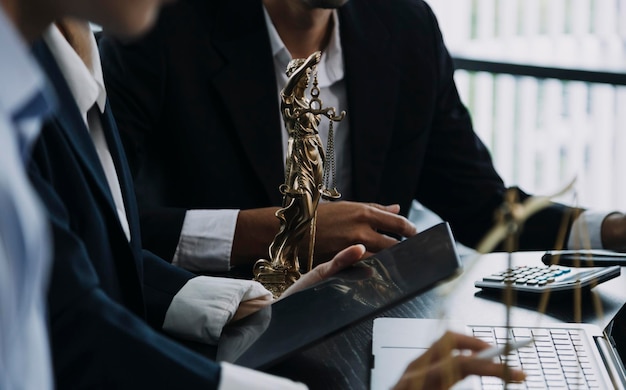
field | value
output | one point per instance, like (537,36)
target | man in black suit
(197,105)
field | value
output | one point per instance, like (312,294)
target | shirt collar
(330,69)
(86,85)
(21,79)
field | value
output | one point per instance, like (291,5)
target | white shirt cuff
(586,230)
(206,304)
(206,240)
(236,378)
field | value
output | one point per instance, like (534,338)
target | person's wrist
(613,232)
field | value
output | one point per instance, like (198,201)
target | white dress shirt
(330,72)
(24,236)
(204,305)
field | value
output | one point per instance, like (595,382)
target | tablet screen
(375,284)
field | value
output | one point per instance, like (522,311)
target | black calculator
(554,278)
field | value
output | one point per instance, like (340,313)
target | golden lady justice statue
(307,177)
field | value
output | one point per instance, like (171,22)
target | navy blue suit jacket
(103,289)
(197,105)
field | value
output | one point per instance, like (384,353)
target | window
(544,82)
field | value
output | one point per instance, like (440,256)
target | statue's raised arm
(297,70)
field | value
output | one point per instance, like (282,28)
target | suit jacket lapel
(74,129)
(248,93)
(371,89)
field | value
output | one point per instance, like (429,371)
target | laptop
(561,355)
(355,294)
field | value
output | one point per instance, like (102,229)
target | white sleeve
(586,230)
(205,304)
(206,240)
(237,378)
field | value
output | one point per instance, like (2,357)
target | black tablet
(357,293)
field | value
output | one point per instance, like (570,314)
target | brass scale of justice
(309,176)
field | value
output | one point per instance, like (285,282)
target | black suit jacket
(197,105)
(103,288)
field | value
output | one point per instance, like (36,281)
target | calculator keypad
(528,275)
(556,278)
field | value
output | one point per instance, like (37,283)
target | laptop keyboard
(555,360)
